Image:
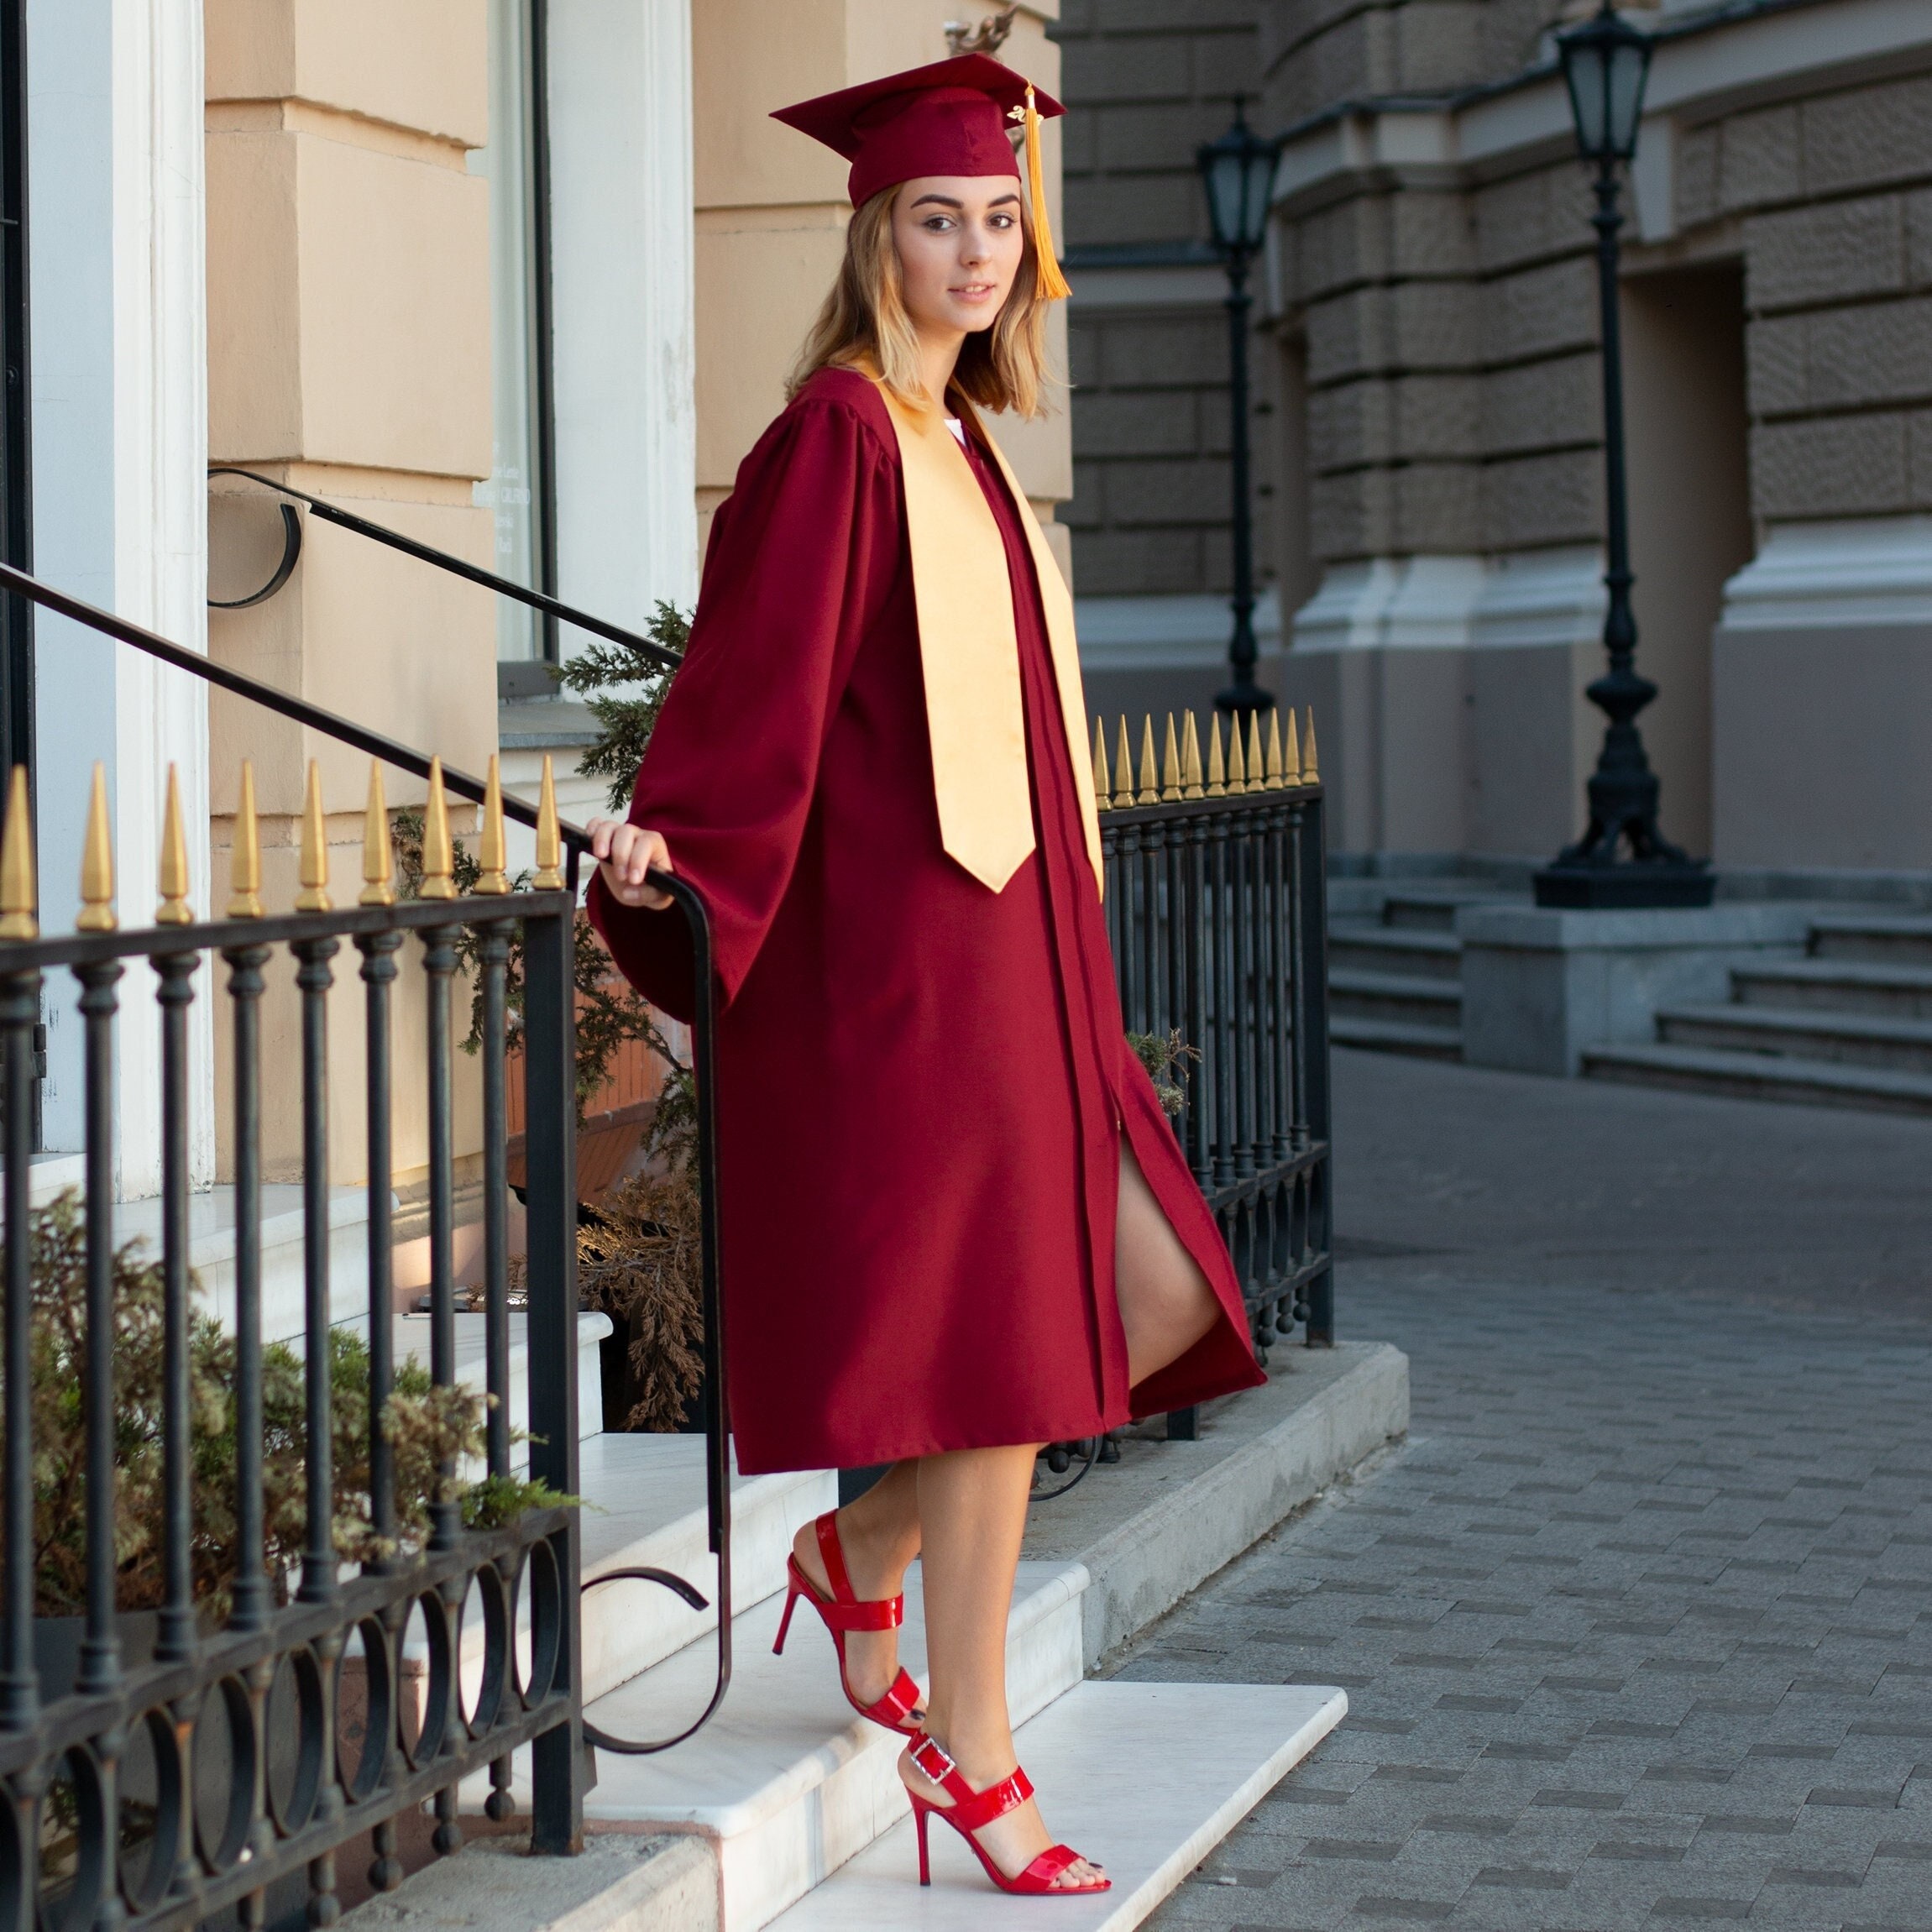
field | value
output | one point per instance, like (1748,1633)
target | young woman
(957,1225)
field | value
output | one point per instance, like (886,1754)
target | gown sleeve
(802,557)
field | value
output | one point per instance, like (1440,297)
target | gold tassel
(1190,761)
(1123,769)
(1103,783)
(1216,772)
(245,855)
(549,842)
(1276,781)
(313,898)
(97,864)
(1257,775)
(18,891)
(438,852)
(174,909)
(491,850)
(1052,283)
(1171,763)
(1311,770)
(1291,757)
(378,863)
(1149,779)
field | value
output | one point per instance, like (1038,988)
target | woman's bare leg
(879,1533)
(1165,1303)
(973,1512)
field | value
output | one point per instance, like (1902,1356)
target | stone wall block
(1436,416)
(1130,137)
(1758,159)
(1842,466)
(1434,325)
(1343,246)
(1539,310)
(1868,135)
(1157,16)
(1438,47)
(1431,233)
(1512,33)
(1129,67)
(1084,340)
(1172,493)
(1187,351)
(1139,562)
(1136,422)
(1527,218)
(1543,500)
(1695,188)
(1829,253)
(1918,456)
(1082,510)
(1351,514)
(1538,405)
(1919,239)
(1226,64)
(1141,208)
(1438,507)
(1348,335)
(1350,424)
(1348,63)
(1775,352)
(1880,352)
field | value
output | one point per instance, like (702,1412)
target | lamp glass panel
(1625,92)
(1583,66)
(1225,183)
(1260,184)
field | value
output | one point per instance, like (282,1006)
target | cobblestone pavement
(1636,1628)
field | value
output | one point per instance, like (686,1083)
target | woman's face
(961,241)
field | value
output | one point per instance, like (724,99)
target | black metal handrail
(427,553)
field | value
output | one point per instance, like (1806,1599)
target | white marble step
(786,1782)
(411,1343)
(1145,1779)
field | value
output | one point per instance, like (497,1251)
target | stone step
(1426,955)
(1884,939)
(411,1333)
(1396,1036)
(1145,1779)
(1844,986)
(788,1781)
(1358,995)
(1851,1039)
(1423,911)
(1761,1076)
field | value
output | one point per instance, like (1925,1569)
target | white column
(622,286)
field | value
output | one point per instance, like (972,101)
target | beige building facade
(1429,427)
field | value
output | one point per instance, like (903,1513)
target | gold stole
(970,652)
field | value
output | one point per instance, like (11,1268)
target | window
(520,491)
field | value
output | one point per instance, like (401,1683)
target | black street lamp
(1239,174)
(1622,859)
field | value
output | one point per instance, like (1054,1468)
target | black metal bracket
(291,556)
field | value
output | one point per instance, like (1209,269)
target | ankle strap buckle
(931,1759)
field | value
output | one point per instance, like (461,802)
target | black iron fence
(1215,902)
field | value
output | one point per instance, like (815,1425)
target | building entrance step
(1145,1779)
(1763,1076)
(1397,1036)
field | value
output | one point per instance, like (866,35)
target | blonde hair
(864,324)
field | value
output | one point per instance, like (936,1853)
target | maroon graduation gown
(921,1082)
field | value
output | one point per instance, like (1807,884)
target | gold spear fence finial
(378,858)
(1276,781)
(97,863)
(438,850)
(492,848)
(1102,782)
(1149,793)
(1190,761)
(313,873)
(1237,764)
(1292,754)
(1122,768)
(1311,768)
(1257,771)
(549,843)
(19,894)
(1217,769)
(245,855)
(174,909)
(1171,763)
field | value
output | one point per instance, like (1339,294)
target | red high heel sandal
(970,1809)
(843,1611)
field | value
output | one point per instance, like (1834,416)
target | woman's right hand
(624,854)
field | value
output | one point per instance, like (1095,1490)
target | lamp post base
(1631,885)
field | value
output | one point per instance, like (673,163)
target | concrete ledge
(1540,986)
(622,1882)
(1161,1522)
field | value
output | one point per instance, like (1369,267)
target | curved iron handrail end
(718,1417)
(291,556)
